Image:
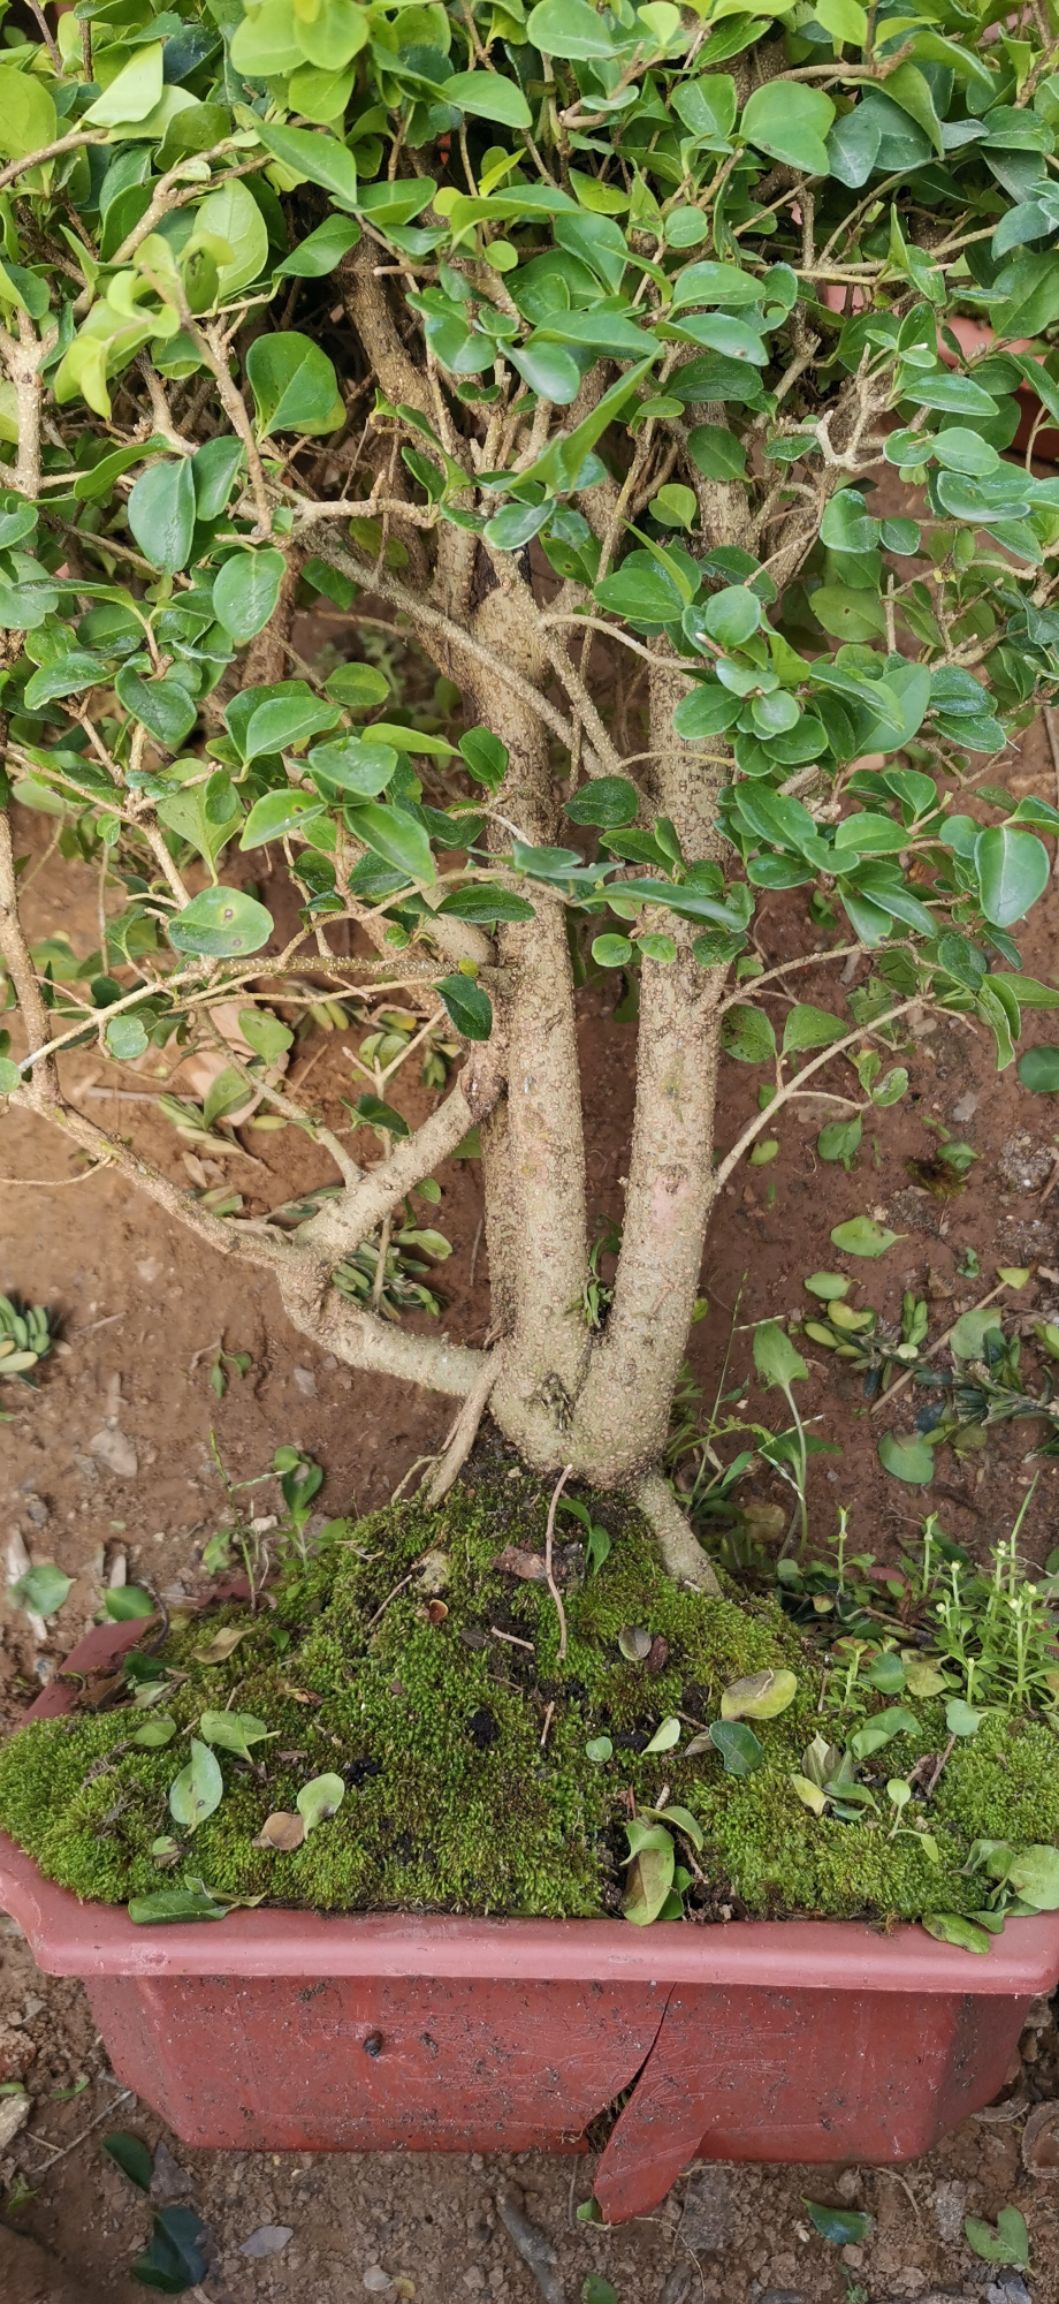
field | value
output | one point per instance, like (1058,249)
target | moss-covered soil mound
(414,1657)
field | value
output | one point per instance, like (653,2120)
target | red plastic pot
(292,2031)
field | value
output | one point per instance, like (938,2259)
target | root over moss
(402,1657)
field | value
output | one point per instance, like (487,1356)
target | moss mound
(408,1659)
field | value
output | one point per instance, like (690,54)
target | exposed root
(549,1536)
(463,1435)
(682,1555)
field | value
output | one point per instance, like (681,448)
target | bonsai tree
(612,363)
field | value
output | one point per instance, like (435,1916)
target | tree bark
(623,1414)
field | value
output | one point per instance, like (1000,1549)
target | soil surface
(112,1467)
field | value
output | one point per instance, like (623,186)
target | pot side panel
(790,2076)
(378,2064)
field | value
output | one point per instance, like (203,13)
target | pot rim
(70,1938)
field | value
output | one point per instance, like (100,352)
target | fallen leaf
(223,1644)
(528,1566)
(635,1643)
(268,2240)
(761,1696)
(1040,2141)
(281,1830)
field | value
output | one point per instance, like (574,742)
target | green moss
(439,1692)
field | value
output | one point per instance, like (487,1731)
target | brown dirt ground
(143,1309)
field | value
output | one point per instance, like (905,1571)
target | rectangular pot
(277,2030)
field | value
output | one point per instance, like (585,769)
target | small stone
(707,2223)
(376,2281)
(169,2180)
(14,2113)
(1008,2288)
(115,1450)
(849,2185)
(474,2279)
(305,1382)
(677,2287)
(269,2240)
(950,2208)
(965,1108)
(1040,2141)
(779,2296)
(17,2052)
(37,1511)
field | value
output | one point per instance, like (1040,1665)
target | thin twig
(549,1535)
(938,1346)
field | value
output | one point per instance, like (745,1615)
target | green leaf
(350,764)
(175,1904)
(64,676)
(789,122)
(808,1027)
(319,1799)
(486,903)
(277,813)
(961,1719)
(313,155)
(220,924)
(881,1730)
(161,513)
(844,2227)
(738,1746)
(571,29)
(468,1004)
(246,592)
(908,1457)
(716,452)
(596,2290)
(28,118)
(775,1358)
(42,1590)
(554,375)
(320,252)
(294,384)
(410,739)
(1013,871)
(275,718)
(132,2156)
(1038,1070)
(231,216)
(599,1750)
(651,1873)
(665,1738)
(232,1731)
(198,1789)
(126,1038)
(610,951)
(133,92)
(157,1731)
(862,1236)
(485,756)
(128,1603)
(488,96)
(175,2260)
(955,1928)
(214,467)
(162,706)
(747,1034)
(396,837)
(733,616)
(1005,2242)
(607,801)
(1033,1874)
(759,1696)
(10,1076)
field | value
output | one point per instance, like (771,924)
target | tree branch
(343,1223)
